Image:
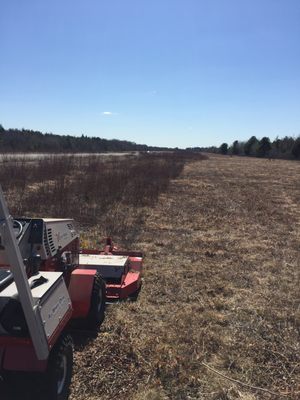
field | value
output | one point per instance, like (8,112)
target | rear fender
(80,291)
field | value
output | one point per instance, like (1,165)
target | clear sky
(161,72)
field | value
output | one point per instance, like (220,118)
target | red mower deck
(120,270)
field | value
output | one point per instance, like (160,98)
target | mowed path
(221,287)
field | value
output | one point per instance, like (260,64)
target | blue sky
(161,72)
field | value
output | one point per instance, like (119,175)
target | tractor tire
(59,371)
(98,300)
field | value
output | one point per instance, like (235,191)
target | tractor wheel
(98,299)
(59,370)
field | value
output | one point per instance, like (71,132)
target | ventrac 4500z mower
(47,284)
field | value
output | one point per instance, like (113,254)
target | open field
(25,157)
(105,195)
(221,286)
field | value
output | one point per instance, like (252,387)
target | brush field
(221,285)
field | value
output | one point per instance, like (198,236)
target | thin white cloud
(107,113)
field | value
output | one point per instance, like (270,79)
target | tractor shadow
(25,386)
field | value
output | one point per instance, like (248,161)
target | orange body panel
(18,354)
(22,358)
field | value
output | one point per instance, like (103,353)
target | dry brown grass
(221,287)
(107,196)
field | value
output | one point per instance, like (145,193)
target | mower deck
(121,271)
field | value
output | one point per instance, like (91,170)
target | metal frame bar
(31,311)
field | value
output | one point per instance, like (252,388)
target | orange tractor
(47,284)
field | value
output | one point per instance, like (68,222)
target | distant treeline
(24,140)
(287,148)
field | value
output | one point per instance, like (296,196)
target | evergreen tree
(296,148)
(224,148)
(249,148)
(264,147)
(235,148)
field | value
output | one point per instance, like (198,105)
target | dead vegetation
(104,195)
(221,286)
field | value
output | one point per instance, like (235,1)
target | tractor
(48,286)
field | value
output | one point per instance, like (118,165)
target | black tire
(59,370)
(98,301)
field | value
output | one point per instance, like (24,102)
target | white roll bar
(30,309)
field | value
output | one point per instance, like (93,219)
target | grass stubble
(221,279)
(221,286)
